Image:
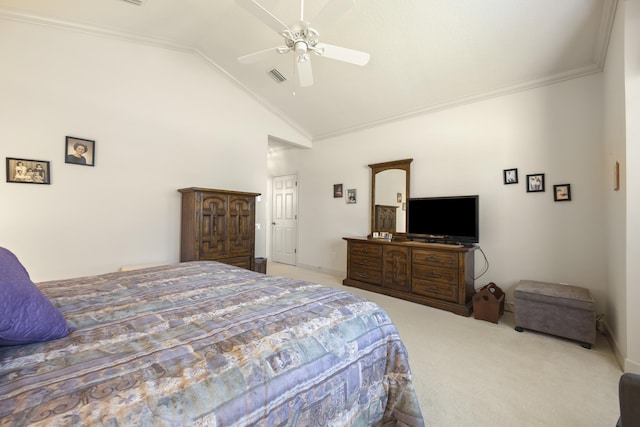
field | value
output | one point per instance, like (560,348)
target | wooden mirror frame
(376,168)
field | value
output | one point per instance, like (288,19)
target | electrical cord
(486,263)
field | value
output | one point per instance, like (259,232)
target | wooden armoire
(218,225)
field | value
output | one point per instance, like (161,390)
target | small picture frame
(337,191)
(510,176)
(352,196)
(79,151)
(535,183)
(28,171)
(562,192)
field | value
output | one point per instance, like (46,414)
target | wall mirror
(389,194)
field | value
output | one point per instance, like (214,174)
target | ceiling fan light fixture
(300,48)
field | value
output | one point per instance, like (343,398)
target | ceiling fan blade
(305,73)
(351,56)
(331,13)
(264,15)
(262,55)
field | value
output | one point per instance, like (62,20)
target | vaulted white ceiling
(425,54)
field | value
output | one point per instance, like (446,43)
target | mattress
(205,343)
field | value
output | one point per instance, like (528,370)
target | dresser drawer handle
(433,258)
(434,290)
(434,275)
(364,262)
(365,275)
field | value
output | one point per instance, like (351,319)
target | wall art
(535,183)
(79,151)
(510,176)
(351,196)
(28,171)
(562,192)
(337,191)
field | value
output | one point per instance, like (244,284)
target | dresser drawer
(442,291)
(441,259)
(358,260)
(435,274)
(365,249)
(368,275)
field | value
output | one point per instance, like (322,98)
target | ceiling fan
(301,39)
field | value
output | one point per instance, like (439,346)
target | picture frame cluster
(350,197)
(77,151)
(535,183)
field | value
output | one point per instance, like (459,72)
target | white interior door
(285,219)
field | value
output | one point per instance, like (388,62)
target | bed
(208,344)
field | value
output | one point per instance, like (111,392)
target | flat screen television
(449,220)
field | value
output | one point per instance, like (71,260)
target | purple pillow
(26,315)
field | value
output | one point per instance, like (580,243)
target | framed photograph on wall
(510,176)
(28,171)
(351,196)
(79,151)
(337,191)
(535,183)
(562,192)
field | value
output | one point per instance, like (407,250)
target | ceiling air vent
(138,2)
(277,75)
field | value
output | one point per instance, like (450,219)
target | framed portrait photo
(352,196)
(510,176)
(28,171)
(79,151)
(562,192)
(535,183)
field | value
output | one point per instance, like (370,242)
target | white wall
(632,108)
(556,130)
(162,120)
(615,201)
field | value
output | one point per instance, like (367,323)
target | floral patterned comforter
(204,343)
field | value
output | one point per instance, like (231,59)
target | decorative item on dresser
(218,225)
(385,218)
(437,275)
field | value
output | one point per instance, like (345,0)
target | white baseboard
(631,366)
(626,364)
(620,358)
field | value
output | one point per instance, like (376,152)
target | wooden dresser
(437,275)
(218,225)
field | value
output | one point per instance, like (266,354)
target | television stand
(434,274)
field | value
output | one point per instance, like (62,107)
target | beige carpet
(470,372)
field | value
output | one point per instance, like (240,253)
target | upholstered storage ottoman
(562,310)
